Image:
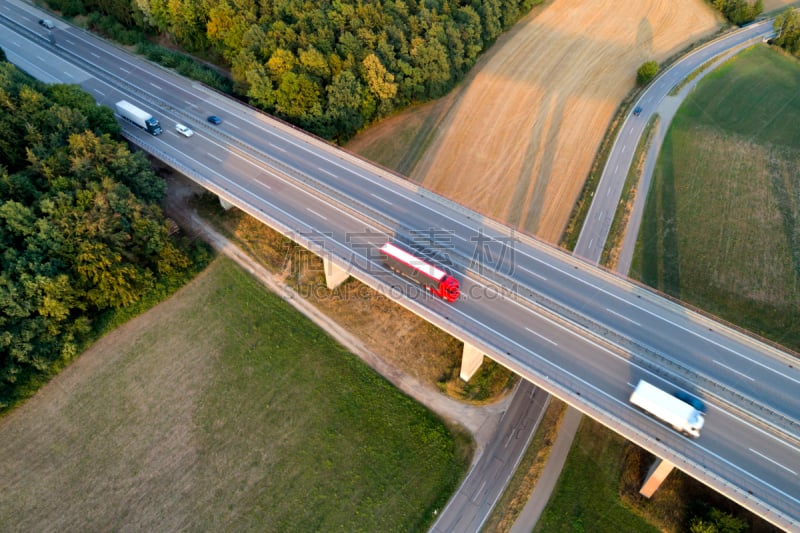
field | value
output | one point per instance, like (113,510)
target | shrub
(646,72)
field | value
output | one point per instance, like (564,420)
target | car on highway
(637,111)
(183,130)
(47,23)
(214,119)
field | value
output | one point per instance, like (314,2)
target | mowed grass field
(722,226)
(223,409)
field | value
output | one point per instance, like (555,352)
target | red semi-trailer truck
(432,278)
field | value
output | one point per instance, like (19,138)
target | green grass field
(586,497)
(223,409)
(722,224)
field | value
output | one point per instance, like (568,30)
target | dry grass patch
(519,141)
(770,5)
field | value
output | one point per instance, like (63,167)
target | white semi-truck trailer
(139,117)
(682,416)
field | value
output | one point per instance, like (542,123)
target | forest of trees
(328,66)
(787,28)
(81,233)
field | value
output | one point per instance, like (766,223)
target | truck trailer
(679,414)
(432,278)
(139,117)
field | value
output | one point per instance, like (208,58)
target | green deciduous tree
(787,28)
(80,232)
(379,80)
(739,11)
(646,72)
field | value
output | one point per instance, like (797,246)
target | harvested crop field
(769,5)
(520,138)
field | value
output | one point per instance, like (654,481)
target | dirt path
(518,143)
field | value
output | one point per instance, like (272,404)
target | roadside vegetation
(330,68)
(84,243)
(787,27)
(739,12)
(224,409)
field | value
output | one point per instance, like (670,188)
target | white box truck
(140,117)
(679,414)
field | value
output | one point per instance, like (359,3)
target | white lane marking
(95,55)
(67,74)
(726,367)
(381,198)
(126,71)
(314,212)
(554,343)
(40,58)
(15,43)
(659,317)
(234,126)
(623,317)
(532,273)
(624,146)
(776,463)
(101,93)
(69,41)
(616,169)
(190,104)
(212,156)
(277,147)
(328,172)
(156,86)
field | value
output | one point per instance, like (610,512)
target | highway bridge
(571,328)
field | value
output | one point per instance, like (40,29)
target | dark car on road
(637,111)
(214,119)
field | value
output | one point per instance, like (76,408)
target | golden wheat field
(519,140)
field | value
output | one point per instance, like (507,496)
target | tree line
(329,66)
(787,30)
(81,233)
(739,11)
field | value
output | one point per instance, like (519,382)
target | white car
(183,130)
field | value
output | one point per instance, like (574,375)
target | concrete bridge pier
(334,275)
(471,360)
(657,474)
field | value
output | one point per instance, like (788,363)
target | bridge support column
(657,474)
(334,275)
(225,204)
(471,360)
